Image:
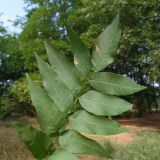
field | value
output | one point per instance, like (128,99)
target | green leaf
(114,84)
(84,122)
(82,59)
(74,142)
(64,68)
(36,141)
(61,154)
(55,88)
(106,46)
(104,105)
(50,117)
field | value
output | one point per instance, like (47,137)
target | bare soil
(151,122)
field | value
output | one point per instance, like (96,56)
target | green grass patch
(145,147)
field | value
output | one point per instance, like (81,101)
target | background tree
(138,56)
(11,60)
(11,67)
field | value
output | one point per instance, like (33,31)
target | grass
(145,147)
(11,147)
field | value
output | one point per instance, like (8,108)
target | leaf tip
(144,87)
(46,43)
(35,54)
(38,59)
(29,80)
(76,62)
(27,75)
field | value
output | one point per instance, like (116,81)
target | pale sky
(11,9)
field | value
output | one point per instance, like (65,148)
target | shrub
(19,95)
(5,106)
(78,93)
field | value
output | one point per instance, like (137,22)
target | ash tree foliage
(79,93)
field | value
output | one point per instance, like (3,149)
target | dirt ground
(10,143)
(151,122)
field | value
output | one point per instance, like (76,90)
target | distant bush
(19,96)
(5,106)
(19,90)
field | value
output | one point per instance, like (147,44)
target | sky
(11,9)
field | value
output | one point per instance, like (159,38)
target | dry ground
(11,148)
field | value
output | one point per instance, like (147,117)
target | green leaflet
(61,154)
(55,88)
(106,46)
(36,141)
(114,84)
(84,122)
(64,68)
(74,142)
(82,59)
(104,105)
(50,117)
